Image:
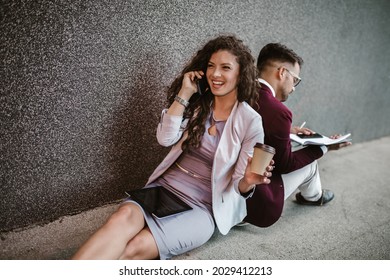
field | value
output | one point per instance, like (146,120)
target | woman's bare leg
(111,239)
(141,247)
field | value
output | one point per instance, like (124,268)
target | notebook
(159,201)
(318,139)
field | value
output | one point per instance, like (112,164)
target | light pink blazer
(242,130)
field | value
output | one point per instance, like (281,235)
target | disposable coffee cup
(262,156)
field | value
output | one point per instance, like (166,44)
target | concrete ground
(354,226)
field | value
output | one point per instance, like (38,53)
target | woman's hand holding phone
(188,89)
(189,84)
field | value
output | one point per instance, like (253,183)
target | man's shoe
(326,196)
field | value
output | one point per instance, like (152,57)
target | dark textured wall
(82,86)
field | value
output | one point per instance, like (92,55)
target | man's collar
(268,85)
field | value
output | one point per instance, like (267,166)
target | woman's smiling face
(223,73)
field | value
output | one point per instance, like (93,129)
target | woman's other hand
(251,179)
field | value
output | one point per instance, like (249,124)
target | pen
(302,125)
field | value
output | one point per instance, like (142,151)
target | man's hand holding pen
(301,130)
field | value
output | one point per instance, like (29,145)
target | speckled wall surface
(82,86)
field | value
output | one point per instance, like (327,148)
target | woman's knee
(126,214)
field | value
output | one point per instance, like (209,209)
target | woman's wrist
(185,93)
(182,101)
(244,187)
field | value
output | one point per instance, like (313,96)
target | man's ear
(280,73)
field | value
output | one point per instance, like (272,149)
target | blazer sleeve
(254,133)
(278,136)
(170,129)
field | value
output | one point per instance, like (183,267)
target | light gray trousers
(307,180)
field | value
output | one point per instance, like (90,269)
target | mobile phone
(314,135)
(202,85)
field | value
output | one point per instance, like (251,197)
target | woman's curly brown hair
(246,89)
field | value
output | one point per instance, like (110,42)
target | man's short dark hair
(277,52)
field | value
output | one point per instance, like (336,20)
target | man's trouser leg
(307,180)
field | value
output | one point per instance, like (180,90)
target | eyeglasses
(296,78)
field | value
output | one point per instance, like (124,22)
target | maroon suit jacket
(265,207)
